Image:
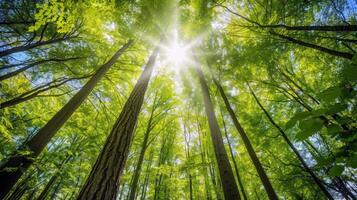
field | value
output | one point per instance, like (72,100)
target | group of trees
(261,106)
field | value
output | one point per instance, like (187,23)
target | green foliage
(309,94)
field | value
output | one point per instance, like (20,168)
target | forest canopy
(178,99)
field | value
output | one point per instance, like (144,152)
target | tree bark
(104,178)
(240,183)
(229,185)
(317,180)
(39,141)
(144,146)
(314,46)
(261,172)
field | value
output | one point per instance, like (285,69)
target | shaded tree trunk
(104,179)
(317,180)
(240,183)
(39,141)
(229,185)
(144,146)
(258,166)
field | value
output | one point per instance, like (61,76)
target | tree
(38,142)
(112,158)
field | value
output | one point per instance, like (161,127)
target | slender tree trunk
(334,28)
(18,71)
(314,46)
(144,146)
(317,180)
(33,93)
(47,188)
(261,172)
(31,46)
(229,185)
(39,141)
(147,176)
(241,187)
(104,178)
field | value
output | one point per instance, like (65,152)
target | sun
(176,53)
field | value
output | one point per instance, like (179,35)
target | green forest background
(178,99)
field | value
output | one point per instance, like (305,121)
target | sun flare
(176,53)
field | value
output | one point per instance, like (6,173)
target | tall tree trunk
(314,46)
(258,166)
(240,183)
(229,185)
(47,188)
(144,146)
(317,180)
(39,141)
(104,178)
(53,179)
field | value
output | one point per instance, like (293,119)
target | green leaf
(336,170)
(333,129)
(352,162)
(297,117)
(321,161)
(338,107)
(330,94)
(349,72)
(308,127)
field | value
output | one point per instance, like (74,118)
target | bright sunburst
(175,52)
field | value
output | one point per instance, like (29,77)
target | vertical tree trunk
(229,185)
(258,166)
(241,187)
(53,179)
(47,188)
(319,182)
(39,141)
(144,146)
(104,178)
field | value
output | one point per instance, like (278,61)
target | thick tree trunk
(317,180)
(314,46)
(229,185)
(39,141)
(16,72)
(104,178)
(261,172)
(240,183)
